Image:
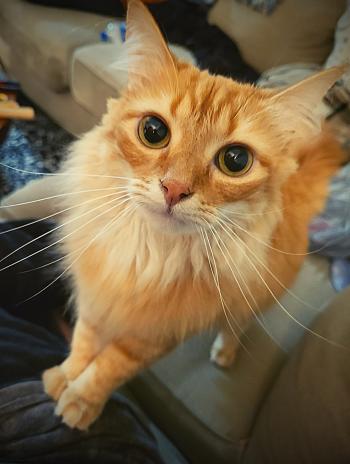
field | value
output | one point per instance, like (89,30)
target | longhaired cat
(189,205)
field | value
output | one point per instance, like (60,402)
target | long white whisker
(56,228)
(262,213)
(284,309)
(60,195)
(51,263)
(109,224)
(265,243)
(27,224)
(217,284)
(290,292)
(260,322)
(25,171)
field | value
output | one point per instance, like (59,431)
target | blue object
(340,273)
(122,29)
(104,36)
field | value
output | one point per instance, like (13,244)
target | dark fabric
(102,7)
(29,430)
(306,417)
(20,282)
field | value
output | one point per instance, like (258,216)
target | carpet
(31,147)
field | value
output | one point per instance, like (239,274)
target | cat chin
(170,223)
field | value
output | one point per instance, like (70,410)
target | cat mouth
(169,215)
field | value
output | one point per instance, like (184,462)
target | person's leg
(25,270)
(120,435)
(27,413)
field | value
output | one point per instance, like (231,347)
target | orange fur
(148,280)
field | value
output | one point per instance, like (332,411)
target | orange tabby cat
(195,191)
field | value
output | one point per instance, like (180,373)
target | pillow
(296,31)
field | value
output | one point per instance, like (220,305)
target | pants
(29,430)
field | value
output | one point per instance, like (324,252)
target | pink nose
(174,191)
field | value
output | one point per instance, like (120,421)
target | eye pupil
(234,160)
(154,130)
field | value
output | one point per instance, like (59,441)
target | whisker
(212,254)
(261,321)
(25,171)
(216,282)
(265,243)
(284,309)
(317,250)
(51,263)
(56,228)
(35,221)
(290,292)
(60,195)
(262,213)
(109,224)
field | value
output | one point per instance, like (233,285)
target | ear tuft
(297,107)
(145,55)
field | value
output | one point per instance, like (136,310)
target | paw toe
(54,382)
(76,412)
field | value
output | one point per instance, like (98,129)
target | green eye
(153,132)
(234,160)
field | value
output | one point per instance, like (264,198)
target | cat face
(194,152)
(197,144)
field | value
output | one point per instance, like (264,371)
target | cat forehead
(208,102)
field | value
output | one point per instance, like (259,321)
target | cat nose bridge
(174,191)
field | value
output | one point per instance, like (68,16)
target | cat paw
(222,354)
(76,412)
(55,382)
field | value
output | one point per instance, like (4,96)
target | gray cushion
(45,38)
(306,418)
(94,79)
(209,412)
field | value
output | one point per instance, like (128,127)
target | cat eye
(234,160)
(153,132)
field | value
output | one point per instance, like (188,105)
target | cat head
(199,144)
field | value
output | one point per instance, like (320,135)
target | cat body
(161,239)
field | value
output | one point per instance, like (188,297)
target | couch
(211,415)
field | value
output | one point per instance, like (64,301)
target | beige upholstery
(222,405)
(297,30)
(34,200)
(94,79)
(45,38)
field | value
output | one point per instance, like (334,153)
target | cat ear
(145,56)
(298,107)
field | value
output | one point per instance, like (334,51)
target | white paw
(54,381)
(75,410)
(223,353)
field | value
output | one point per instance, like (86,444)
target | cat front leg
(84,398)
(225,347)
(86,344)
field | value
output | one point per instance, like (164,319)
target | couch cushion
(297,30)
(306,417)
(209,412)
(94,79)
(45,38)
